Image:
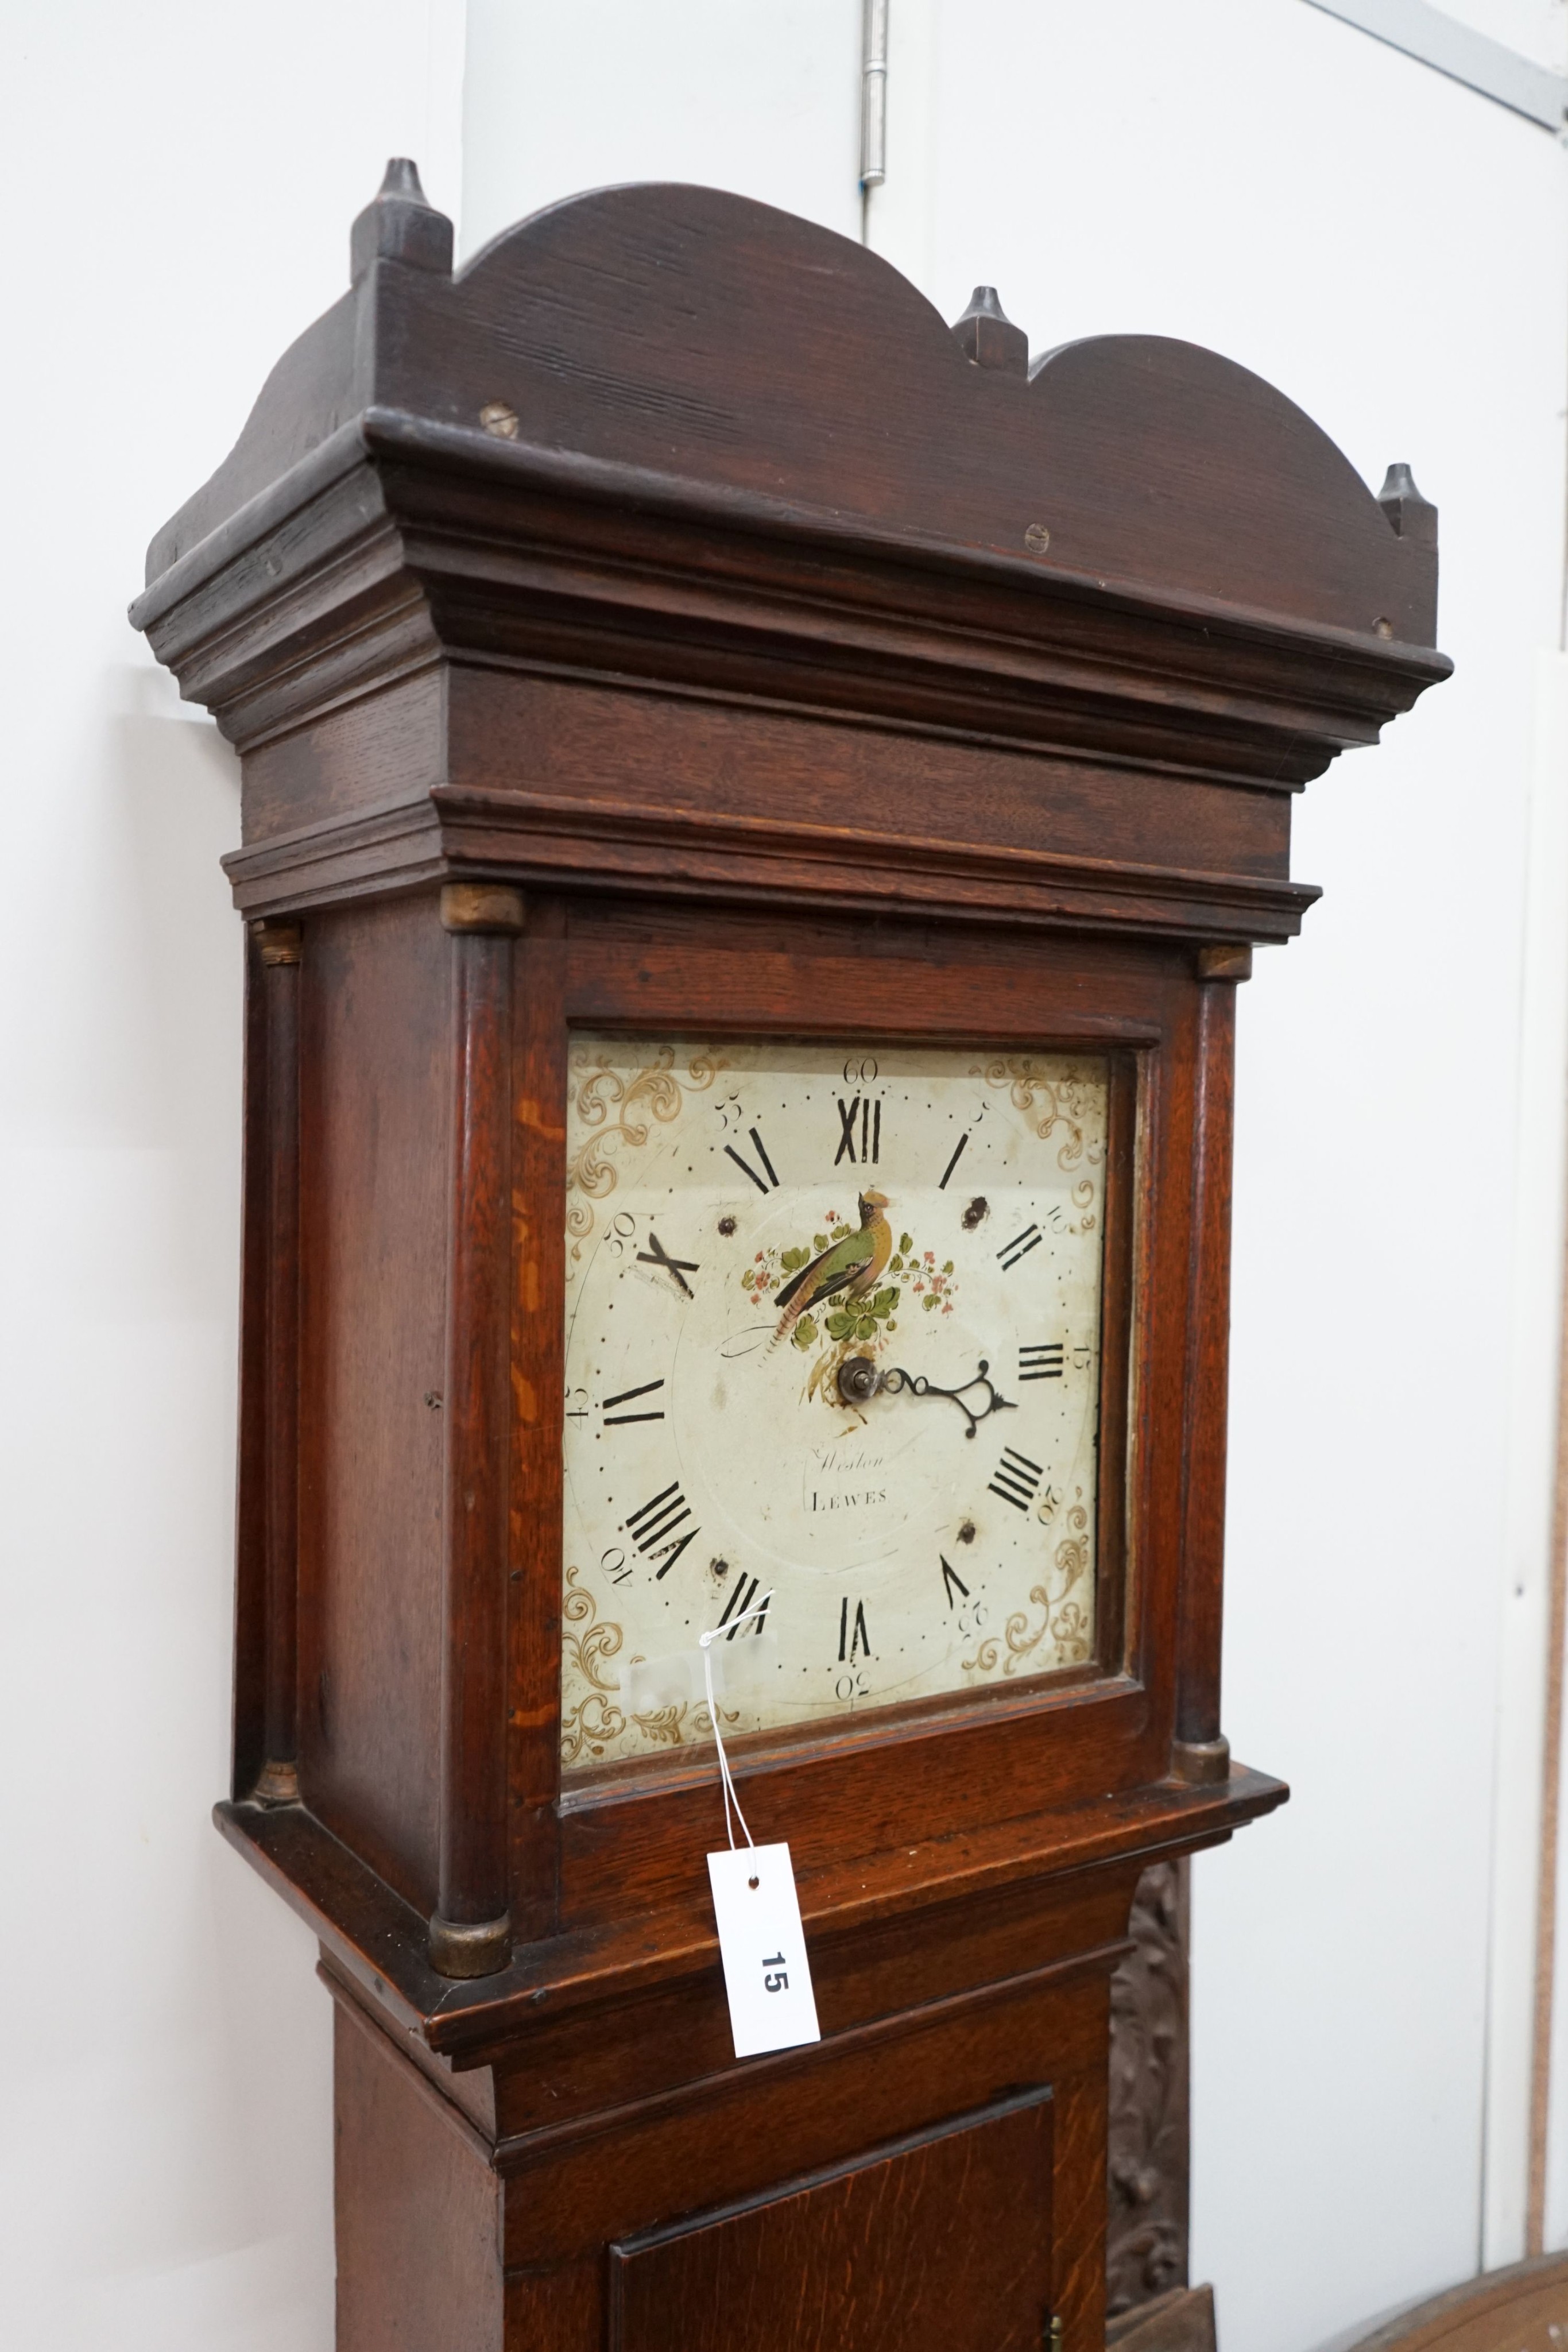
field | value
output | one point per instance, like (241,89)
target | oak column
(280,946)
(470,1933)
(1201,1753)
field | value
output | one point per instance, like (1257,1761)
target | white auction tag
(766,1974)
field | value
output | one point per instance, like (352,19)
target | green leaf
(865,1329)
(805,1332)
(929,1301)
(840,1326)
(884,1299)
(949,1267)
(791,1259)
(818,1242)
(898,1266)
(905,1243)
(890,1324)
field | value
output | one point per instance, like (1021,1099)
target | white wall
(1390,249)
(761,99)
(181,179)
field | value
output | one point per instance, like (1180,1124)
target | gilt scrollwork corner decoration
(614,1110)
(1147,2243)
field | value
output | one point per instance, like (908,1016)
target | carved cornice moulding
(1136,569)
(514,553)
(697,337)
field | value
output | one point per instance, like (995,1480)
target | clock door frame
(586,1845)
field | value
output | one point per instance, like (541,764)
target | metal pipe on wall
(873,105)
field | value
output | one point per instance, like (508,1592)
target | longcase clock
(756,807)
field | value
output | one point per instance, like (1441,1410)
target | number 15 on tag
(766,1974)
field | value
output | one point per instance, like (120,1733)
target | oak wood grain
(374,1116)
(476,1407)
(417,2211)
(880,2252)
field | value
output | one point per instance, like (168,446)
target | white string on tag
(704,1643)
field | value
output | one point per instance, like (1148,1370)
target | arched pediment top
(683,335)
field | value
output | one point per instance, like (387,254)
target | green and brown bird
(849,1265)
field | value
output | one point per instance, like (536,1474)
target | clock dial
(832,1379)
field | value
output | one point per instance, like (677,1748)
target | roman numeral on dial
(627,1396)
(855,1642)
(952,1582)
(771,1184)
(1017,1478)
(652,1526)
(1040,1363)
(743,1598)
(1019,1246)
(657,1254)
(957,1155)
(867,1110)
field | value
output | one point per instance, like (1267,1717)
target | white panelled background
(1389,248)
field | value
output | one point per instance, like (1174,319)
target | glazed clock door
(833,1365)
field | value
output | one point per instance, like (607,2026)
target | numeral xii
(867,1109)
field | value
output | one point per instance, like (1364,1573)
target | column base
(1200,1761)
(278,1784)
(480,1950)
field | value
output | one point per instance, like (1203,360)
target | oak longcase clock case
(756,807)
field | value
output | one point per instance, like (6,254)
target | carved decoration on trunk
(1147,2249)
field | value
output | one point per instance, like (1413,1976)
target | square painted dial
(832,1346)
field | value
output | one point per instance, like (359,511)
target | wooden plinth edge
(1524,2303)
(380,1942)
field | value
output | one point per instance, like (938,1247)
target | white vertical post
(1536,1340)
(873,105)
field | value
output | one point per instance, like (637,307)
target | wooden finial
(400,226)
(988,336)
(1413,516)
(401,178)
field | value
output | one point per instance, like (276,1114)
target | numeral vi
(855,1642)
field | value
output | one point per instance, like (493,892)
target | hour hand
(860,1380)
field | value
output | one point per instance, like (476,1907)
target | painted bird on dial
(849,1266)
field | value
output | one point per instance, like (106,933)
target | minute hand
(860,1380)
